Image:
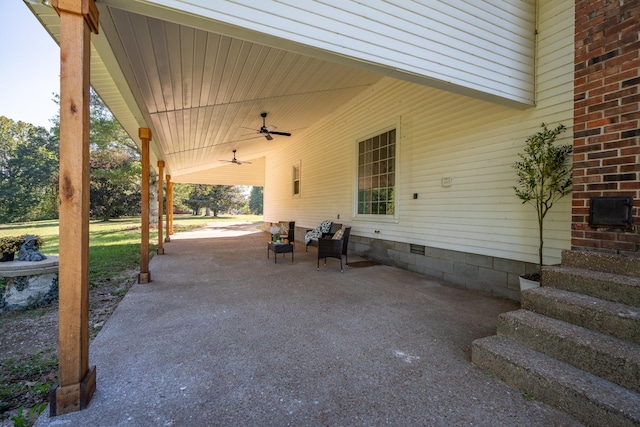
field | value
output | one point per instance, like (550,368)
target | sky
(29,66)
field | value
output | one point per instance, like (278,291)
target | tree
(197,198)
(225,198)
(115,167)
(544,174)
(115,184)
(28,172)
(180,194)
(255,201)
(217,198)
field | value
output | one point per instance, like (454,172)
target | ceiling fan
(266,131)
(235,161)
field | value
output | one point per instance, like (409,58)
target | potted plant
(9,245)
(544,176)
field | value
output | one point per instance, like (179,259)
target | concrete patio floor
(223,336)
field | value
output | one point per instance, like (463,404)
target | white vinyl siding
(481,48)
(441,135)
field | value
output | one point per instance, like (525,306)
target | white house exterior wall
(440,135)
(480,48)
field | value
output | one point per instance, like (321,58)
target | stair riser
(594,287)
(621,371)
(625,328)
(546,389)
(607,263)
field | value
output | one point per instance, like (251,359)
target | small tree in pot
(544,174)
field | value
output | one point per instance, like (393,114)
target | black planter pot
(7,256)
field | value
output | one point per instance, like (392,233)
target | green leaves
(217,198)
(28,171)
(544,172)
(256,200)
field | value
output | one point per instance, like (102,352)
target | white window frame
(293,180)
(379,218)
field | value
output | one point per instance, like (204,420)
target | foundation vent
(416,249)
(611,212)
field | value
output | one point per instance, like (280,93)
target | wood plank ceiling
(203,92)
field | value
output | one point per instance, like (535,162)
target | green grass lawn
(114,246)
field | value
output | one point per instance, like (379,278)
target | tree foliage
(544,174)
(28,172)
(115,168)
(256,201)
(29,165)
(115,173)
(214,198)
(115,184)
(180,194)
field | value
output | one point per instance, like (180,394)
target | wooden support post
(160,250)
(144,276)
(76,379)
(169,208)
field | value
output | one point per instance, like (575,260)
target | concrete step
(588,398)
(607,263)
(611,318)
(609,286)
(614,360)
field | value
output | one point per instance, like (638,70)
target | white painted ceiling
(202,92)
(199,73)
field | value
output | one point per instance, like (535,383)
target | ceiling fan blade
(268,131)
(239,162)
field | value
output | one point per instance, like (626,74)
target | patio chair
(332,230)
(290,236)
(334,247)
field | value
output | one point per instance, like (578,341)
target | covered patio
(225,336)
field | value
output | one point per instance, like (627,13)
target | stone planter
(28,284)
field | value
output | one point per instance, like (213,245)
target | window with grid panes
(296,180)
(377,174)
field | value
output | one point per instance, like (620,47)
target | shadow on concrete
(224,336)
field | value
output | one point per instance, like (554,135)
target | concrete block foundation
(496,276)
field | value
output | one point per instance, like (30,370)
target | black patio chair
(291,232)
(334,248)
(314,242)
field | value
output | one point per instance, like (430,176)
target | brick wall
(606,118)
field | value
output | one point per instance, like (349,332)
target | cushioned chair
(334,247)
(290,236)
(332,230)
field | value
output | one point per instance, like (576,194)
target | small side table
(279,248)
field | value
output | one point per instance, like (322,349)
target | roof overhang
(200,74)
